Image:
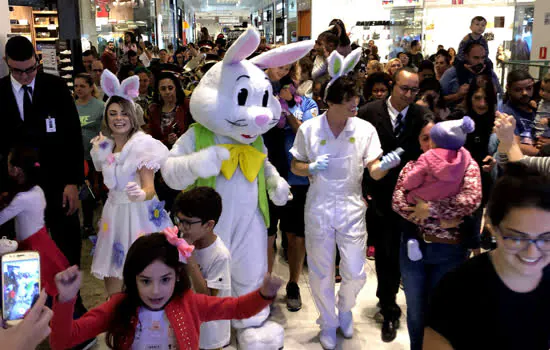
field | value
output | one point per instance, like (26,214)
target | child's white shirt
(154,332)
(28,210)
(214,264)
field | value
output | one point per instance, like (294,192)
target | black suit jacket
(377,114)
(61,153)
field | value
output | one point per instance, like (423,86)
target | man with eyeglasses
(398,122)
(97,71)
(39,111)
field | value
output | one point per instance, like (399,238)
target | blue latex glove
(320,164)
(391,160)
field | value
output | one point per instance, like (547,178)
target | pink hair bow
(184,248)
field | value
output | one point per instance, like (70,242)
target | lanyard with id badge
(50,124)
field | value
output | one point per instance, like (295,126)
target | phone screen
(21,281)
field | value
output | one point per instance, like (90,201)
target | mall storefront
(393,23)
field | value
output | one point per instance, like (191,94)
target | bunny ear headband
(128,90)
(184,248)
(338,66)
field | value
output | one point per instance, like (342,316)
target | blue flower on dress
(118,254)
(93,239)
(157,214)
(103,145)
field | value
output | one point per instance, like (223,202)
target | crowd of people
(446,171)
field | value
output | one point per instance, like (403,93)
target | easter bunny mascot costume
(233,106)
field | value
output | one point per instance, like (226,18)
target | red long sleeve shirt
(185,314)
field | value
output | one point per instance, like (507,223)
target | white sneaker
(68,68)
(328,338)
(269,336)
(346,323)
(7,246)
(66,52)
(413,250)
(67,76)
(65,60)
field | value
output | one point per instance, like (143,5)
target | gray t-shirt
(91,115)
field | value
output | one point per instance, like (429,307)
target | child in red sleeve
(27,206)
(157,309)
(439,172)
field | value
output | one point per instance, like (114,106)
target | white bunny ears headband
(338,66)
(128,90)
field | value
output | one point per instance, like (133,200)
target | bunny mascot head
(233,106)
(235,97)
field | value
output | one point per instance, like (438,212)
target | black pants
(89,203)
(64,229)
(387,245)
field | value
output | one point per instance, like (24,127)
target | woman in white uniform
(333,151)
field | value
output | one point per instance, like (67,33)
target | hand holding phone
(20,284)
(32,330)
(68,283)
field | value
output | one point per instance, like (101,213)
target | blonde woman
(393,65)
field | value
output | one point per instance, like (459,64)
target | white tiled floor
(302,333)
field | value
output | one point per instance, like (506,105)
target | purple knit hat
(452,134)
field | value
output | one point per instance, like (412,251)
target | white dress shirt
(19,92)
(394,113)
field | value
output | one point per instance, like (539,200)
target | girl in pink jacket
(438,173)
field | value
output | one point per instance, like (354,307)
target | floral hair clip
(184,248)
(37,165)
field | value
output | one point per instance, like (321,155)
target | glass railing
(537,69)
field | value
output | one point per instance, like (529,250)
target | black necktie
(27,103)
(398,125)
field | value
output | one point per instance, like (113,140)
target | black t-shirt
(473,309)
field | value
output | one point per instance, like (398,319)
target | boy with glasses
(196,213)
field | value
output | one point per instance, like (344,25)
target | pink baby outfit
(437,174)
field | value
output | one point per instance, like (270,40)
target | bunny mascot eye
(234,106)
(265,98)
(242,96)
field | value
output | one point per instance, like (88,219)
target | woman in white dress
(128,159)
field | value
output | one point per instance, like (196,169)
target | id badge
(50,125)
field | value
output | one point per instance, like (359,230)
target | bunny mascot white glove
(233,106)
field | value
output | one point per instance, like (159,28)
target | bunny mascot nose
(262,120)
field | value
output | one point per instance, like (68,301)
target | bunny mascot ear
(243,47)
(129,89)
(283,55)
(109,83)
(339,66)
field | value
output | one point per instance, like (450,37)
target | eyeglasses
(522,243)
(406,89)
(185,224)
(18,71)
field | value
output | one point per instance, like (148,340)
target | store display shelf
(44,12)
(46,26)
(20,25)
(46,39)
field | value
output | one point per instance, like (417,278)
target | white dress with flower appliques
(123,221)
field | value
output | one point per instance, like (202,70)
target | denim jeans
(421,277)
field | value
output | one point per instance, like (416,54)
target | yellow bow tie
(249,158)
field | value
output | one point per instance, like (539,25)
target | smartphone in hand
(20,284)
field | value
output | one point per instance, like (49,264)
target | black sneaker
(293,298)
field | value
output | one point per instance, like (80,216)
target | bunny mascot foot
(233,106)
(269,336)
